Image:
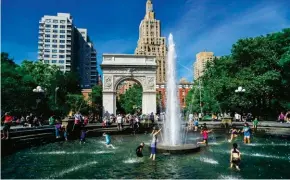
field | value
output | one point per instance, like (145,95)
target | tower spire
(149,10)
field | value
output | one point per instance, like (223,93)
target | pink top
(204,134)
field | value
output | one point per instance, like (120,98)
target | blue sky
(113,25)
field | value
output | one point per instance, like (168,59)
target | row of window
(54,61)
(54,36)
(56,26)
(55,21)
(54,56)
(55,31)
(55,41)
(55,51)
(55,46)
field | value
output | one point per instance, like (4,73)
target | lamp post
(39,91)
(55,94)
(240,91)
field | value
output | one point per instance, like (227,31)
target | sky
(113,25)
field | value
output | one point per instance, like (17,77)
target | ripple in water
(208,160)
(133,160)
(73,152)
(60,174)
(228,177)
(253,154)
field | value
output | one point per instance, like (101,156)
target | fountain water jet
(172,133)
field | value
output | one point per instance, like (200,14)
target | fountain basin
(179,149)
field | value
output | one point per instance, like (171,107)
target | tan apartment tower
(151,43)
(200,63)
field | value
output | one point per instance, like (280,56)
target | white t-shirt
(119,119)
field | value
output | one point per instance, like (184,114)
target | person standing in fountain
(235,157)
(139,150)
(247,133)
(204,133)
(195,124)
(234,133)
(154,143)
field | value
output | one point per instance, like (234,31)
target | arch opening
(129,95)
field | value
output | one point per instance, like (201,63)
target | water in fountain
(172,125)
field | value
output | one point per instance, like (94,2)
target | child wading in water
(83,135)
(247,133)
(235,157)
(108,140)
(234,133)
(204,133)
(154,143)
(255,124)
(139,150)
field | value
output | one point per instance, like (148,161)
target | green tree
(132,99)
(261,66)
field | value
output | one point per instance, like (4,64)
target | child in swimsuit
(234,133)
(204,133)
(235,157)
(108,140)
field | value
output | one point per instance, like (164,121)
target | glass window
(61,51)
(61,56)
(61,61)
(47,30)
(61,67)
(55,21)
(54,46)
(54,36)
(54,50)
(54,41)
(62,26)
(46,61)
(47,50)
(62,46)
(62,41)
(54,31)
(54,56)
(47,35)
(55,26)
(62,36)
(62,31)
(62,21)
(47,40)
(48,20)
(47,45)
(53,61)
(47,26)
(46,55)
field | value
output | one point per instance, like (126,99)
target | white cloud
(192,33)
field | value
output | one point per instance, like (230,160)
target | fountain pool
(265,159)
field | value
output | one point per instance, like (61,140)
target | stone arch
(119,67)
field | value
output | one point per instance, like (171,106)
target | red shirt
(8,119)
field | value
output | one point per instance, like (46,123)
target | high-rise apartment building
(150,41)
(200,63)
(60,43)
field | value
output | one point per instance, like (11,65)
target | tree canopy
(261,66)
(18,82)
(131,100)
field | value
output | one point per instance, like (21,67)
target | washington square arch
(120,67)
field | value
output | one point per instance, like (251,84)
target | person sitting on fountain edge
(204,133)
(139,150)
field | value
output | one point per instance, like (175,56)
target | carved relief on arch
(150,83)
(108,82)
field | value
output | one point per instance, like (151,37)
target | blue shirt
(108,139)
(246,131)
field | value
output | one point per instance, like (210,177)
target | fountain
(172,141)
